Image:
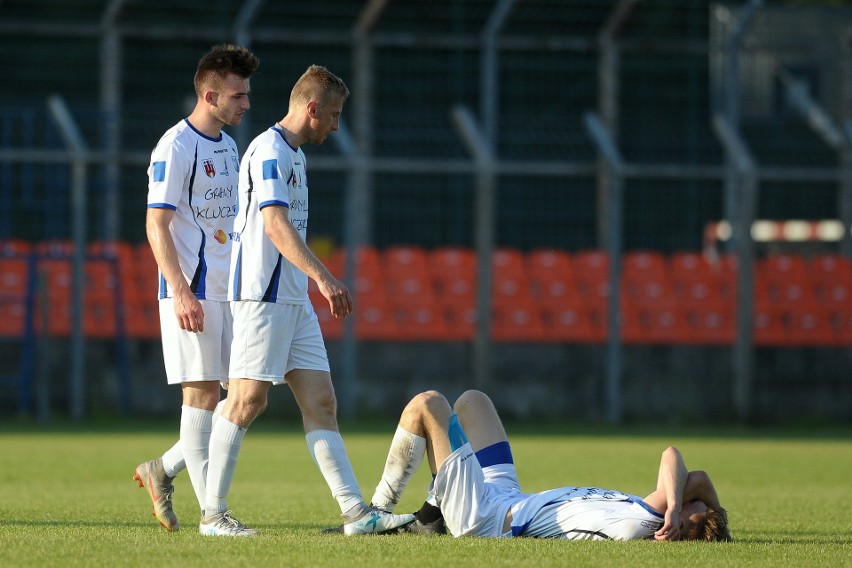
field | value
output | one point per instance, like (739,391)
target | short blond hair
(320,85)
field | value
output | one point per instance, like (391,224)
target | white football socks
(404,458)
(195,426)
(328,452)
(225,443)
(173,462)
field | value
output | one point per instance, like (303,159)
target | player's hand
(337,294)
(671,526)
(189,313)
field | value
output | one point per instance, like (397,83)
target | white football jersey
(584,513)
(272,173)
(196,176)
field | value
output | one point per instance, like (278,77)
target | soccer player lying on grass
(476,487)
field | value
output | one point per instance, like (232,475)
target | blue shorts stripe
(495,454)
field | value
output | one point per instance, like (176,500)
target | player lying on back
(476,491)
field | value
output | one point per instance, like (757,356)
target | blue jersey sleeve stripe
(263,204)
(270,169)
(162,206)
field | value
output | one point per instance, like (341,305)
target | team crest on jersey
(293,180)
(209,168)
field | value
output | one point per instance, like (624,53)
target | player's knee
(470,401)
(428,402)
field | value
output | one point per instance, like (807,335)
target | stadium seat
(667,324)
(55,273)
(710,323)
(842,320)
(507,262)
(456,289)
(366,257)
(648,288)
(405,260)
(420,321)
(142,317)
(633,325)
(517,322)
(571,322)
(510,287)
(644,263)
(591,265)
(374,320)
(549,262)
(444,260)
(811,326)
(777,266)
(770,327)
(413,286)
(12,317)
(14,277)
(830,267)
(551,277)
(100,317)
(461,320)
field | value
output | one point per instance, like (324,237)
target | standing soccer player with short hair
(192,203)
(277,337)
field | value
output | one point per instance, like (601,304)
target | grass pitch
(67,499)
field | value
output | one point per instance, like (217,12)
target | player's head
(222,81)
(321,94)
(700,522)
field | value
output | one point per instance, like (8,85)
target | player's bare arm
(700,487)
(188,310)
(290,244)
(669,495)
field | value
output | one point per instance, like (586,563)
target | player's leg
(252,371)
(483,428)
(480,420)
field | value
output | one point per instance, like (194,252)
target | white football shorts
(270,340)
(475,500)
(201,356)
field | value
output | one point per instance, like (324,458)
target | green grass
(67,499)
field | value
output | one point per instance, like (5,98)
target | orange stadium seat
(413,286)
(667,324)
(12,317)
(374,320)
(517,321)
(571,322)
(405,260)
(644,263)
(710,323)
(811,326)
(461,320)
(14,277)
(421,321)
(507,262)
(550,275)
(142,317)
(770,327)
(451,260)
